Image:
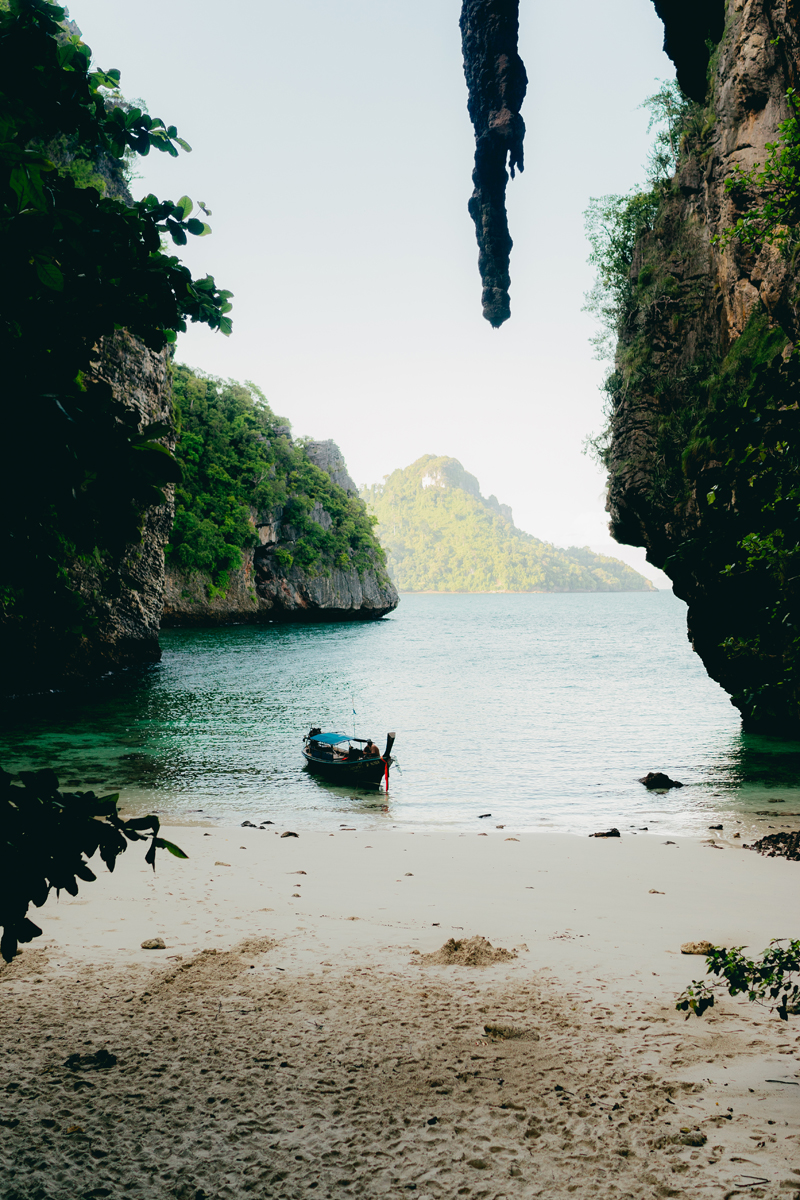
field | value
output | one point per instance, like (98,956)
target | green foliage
(772,979)
(614,225)
(718,432)
(47,838)
(442,535)
(240,468)
(772,218)
(748,428)
(69,239)
(78,264)
(669,110)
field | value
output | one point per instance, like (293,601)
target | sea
(542,711)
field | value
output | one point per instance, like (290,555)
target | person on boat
(371,750)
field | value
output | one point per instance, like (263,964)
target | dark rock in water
(657,779)
(482,816)
(288,834)
(608,833)
(715,827)
(248,825)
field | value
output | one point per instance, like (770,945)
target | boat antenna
(353,705)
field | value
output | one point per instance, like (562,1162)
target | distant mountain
(441,535)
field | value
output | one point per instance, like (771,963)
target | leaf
(142,823)
(186,205)
(184,145)
(196,227)
(177,234)
(50,276)
(26,182)
(226,326)
(163,844)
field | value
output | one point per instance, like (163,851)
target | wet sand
(289,1041)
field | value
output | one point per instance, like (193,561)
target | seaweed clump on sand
(779,845)
(466,952)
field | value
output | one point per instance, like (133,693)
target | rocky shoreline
(261,591)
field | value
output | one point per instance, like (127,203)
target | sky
(332,144)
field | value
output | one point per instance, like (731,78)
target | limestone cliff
(263,590)
(267,588)
(108,610)
(124,604)
(267,528)
(703,454)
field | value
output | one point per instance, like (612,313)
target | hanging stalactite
(497,82)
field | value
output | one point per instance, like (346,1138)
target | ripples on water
(541,709)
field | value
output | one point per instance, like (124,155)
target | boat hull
(369,770)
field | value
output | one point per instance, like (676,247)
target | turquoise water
(543,710)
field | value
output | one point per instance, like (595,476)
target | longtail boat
(341,758)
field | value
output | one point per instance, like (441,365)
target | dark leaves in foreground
(773,979)
(46,840)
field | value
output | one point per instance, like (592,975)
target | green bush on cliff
(79,263)
(773,217)
(442,535)
(615,226)
(241,469)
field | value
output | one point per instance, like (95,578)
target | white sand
(390,1085)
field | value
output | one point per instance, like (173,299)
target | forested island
(441,535)
(265,527)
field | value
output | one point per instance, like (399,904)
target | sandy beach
(292,1039)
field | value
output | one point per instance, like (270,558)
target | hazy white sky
(332,143)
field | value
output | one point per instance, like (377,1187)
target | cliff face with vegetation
(123,603)
(703,451)
(266,528)
(442,535)
(105,610)
(85,467)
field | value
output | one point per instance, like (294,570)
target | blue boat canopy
(330,739)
